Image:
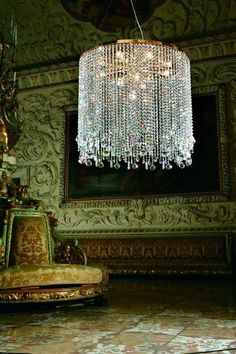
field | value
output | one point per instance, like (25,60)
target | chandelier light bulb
(135,105)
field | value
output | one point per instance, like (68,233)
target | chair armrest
(65,251)
(68,251)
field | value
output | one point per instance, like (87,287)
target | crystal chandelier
(135,105)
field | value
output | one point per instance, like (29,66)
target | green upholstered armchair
(37,267)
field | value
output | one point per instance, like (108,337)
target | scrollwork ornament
(136,214)
(33,146)
(140,213)
(36,104)
(60,36)
(45,177)
(42,117)
(198,75)
(39,147)
(61,97)
(214,73)
(181,19)
(140,216)
(224,72)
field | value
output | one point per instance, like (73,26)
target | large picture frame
(206,179)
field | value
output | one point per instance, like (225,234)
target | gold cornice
(67,73)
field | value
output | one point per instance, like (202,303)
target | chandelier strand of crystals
(135,105)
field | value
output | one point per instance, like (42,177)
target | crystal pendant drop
(117,166)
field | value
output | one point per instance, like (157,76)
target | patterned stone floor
(143,316)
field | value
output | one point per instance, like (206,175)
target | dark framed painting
(206,176)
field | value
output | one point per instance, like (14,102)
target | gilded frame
(222,194)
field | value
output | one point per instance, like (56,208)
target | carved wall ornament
(217,73)
(210,48)
(202,72)
(41,152)
(186,254)
(48,91)
(140,218)
(184,19)
(39,149)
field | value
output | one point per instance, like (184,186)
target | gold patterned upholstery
(48,274)
(28,272)
(29,241)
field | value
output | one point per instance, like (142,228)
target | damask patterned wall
(50,42)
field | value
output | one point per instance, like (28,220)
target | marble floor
(144,315)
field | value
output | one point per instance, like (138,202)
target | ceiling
(110,15)
(59,31)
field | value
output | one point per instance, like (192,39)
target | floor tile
(144,315)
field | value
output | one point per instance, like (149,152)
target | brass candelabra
(9,122)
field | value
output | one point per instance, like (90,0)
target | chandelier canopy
(135,105)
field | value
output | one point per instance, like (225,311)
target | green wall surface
(49,44)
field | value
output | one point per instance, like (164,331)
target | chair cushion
(21,276)
(104,270)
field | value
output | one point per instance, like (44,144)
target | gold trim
(136,41)
(144,41)
(35,295)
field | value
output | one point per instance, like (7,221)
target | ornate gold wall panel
(183,255)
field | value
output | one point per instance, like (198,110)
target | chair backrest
(28,238)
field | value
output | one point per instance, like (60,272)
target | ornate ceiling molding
(203,53)
(56,37)
(110,17)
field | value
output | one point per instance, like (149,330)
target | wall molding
(40,153)
(221,50)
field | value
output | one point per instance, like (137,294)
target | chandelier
(135,105)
